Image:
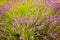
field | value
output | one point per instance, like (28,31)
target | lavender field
(29,19)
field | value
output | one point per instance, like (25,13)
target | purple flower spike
(54,4)
(2,11)
(24,20)
(32,18)
(45,38)
(54,23)
(42,26)
(53,35)
(21,38)
(58,19)
(31,29)
(3,29)
(49,19)
(10,5)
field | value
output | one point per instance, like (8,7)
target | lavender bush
(29,20)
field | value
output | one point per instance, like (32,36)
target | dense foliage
(29,20)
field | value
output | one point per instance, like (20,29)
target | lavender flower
(54,22)
(45,38)
(24,20)
(21,38)
(8,6)
(53,35)
(31,29)
(54,4)
(3,11)
(42,26)
(3,29)
(32,18)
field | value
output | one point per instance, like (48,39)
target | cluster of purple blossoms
(54,4)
